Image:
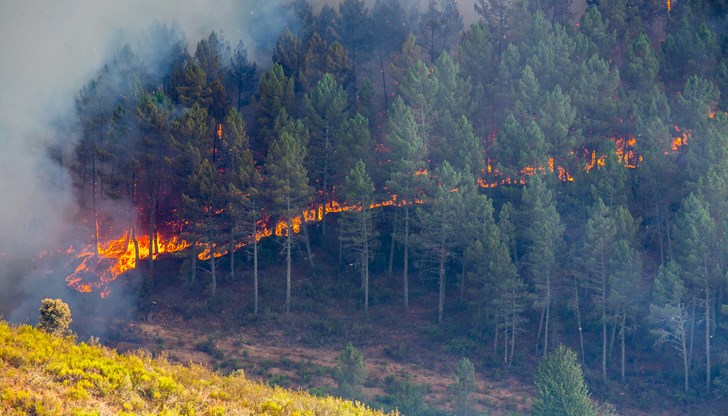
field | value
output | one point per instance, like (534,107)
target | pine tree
(695,238)
(463,386)
(244,191)
(601,231)
(242,73)
(669,314)
(354,144)
(325,111)
(355,29)
(478,63)
(289,188)
(542,234)
(275,93)
(406,158)
(357,228)
(560,386)
(438,227)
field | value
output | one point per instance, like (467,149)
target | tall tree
(275,93)
(357,228)
(242,73)
(289,188)
(389,28)
(325,111)
(479,64)
(243,188)
(695,251)
(153,115)
(669,314)
(438,228)
(406,154)
(498,15)
(542,237)
(355,30)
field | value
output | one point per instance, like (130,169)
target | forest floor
(299,349)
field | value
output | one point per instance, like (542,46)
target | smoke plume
(50,50)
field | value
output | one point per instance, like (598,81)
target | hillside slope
(44,375)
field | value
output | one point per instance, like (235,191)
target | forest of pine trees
(562,178)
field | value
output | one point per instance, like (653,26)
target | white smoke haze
(50,50)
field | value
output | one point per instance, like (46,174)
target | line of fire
(98,266)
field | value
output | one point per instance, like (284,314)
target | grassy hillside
(44,375)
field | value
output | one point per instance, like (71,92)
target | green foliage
(560,386)
(55,317)
(79,379)
(463,386)
(350,371)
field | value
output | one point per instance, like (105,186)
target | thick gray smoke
(50,50)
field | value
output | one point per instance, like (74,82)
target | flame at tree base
(98,268)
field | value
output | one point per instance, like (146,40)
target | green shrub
(350,370)
(55,317)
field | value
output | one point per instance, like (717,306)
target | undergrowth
(41,374)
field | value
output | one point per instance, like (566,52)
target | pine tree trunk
(578,320)
(622,335)
(152,203)
(156,214)
(548,312)
(136,243)
(603,282)
(692,331)
(686,365)
(513,329)
(384,81)
(309,253)
(441,297)
(496,333)
(707,334)
(288,259)
(540,326)
(93,201)
(365,259)
(405,279)
(232,257)
(505,339)
(324,193)
(390,269)
(255,266)
(604,344)
(213,291)
(288,266)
